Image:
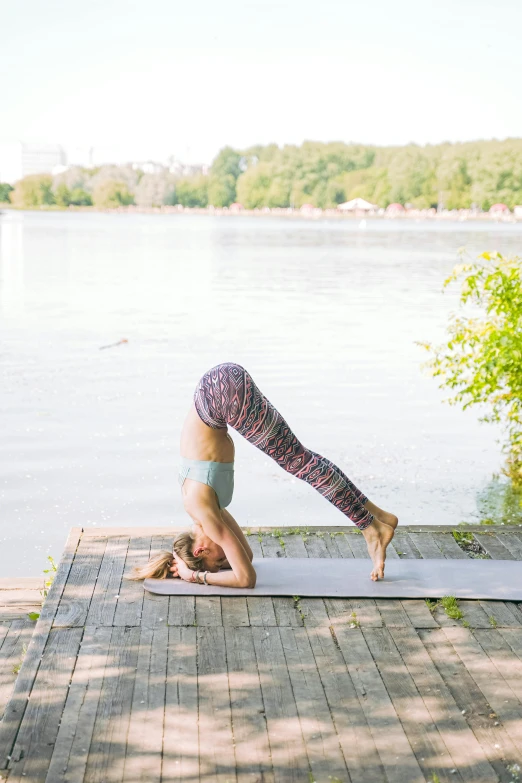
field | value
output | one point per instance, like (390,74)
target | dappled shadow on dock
(271,704)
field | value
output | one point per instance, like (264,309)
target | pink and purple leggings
(226,394)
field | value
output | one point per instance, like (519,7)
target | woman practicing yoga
(227,396)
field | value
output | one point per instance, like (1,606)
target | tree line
(453,176)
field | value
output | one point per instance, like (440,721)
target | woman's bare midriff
(199,441)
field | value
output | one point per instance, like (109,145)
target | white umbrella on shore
(357,204)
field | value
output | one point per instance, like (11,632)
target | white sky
(140,80)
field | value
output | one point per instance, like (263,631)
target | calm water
(324,315)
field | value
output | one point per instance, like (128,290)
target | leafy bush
(482,359)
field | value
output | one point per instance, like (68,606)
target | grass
(432,605)
(451,606)
(18,666)
(298,606)
(354,622)
(492,621)
(460,537)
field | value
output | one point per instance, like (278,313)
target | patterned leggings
(226,394)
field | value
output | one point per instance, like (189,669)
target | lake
(324,314)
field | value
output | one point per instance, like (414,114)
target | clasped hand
(180,569)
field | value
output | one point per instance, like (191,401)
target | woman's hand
(180,568)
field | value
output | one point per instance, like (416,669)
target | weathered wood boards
(117,687)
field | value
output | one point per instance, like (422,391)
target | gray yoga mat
(499,580)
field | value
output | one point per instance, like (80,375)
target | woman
(227,396)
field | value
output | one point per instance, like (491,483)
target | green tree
(481,362)
(33,191)
(5,190)
(224,173)
(253,186)
(80,198)
(192,191)
(62,195)
(111,193)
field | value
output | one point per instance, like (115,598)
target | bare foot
(378,535)
(382,516)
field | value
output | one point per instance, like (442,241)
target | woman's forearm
(229,578)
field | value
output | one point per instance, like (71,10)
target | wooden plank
(4,629)
(145,736)
(106,757)
(513,542)
(355,737)
(182,610)
(501,655)
(392,612)
(466,752)
(426,544)
(348,610)
(418,613)
(491,682)
(498,747)
(427,744)
(253,761)
(285,610)
(208,610)
(21,583)
(449,547)
(494,546)
(319,734)
(15,709)
(358,546)
(77,594)
(34,744)
(180,742)
(20,598)
(397,756)
(130,598)
(234,611)
(502,614)
(404,545)
(284,730)
(136,531)
(69,757)
(295,546)
(474,614)
(513,636)
(216,742)
(14,641)
(108,584)
(155,609)
(343,545)
(260,608)
(313,610)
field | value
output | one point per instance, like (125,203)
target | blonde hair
(158,566)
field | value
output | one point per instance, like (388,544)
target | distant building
(20,159)
(149,167)
(517,211)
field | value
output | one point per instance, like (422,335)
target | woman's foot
(382,516)
(378,535)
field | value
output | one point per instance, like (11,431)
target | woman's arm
(206,513)
(231,522)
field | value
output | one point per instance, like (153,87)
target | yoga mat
(499,580)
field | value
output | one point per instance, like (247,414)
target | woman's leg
(229,396)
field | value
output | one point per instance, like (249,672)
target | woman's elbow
(248,581)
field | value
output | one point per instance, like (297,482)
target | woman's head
(197,550)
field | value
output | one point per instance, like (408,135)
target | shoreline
(460,216)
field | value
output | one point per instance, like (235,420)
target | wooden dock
(118,685)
